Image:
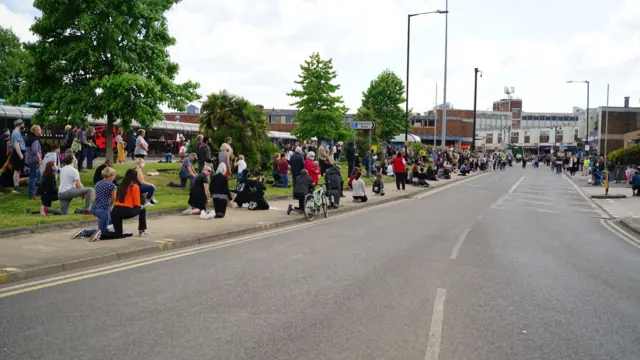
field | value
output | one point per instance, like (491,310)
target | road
(511,265)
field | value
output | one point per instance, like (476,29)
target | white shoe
(210,215)
(144,233)
(111,228)
(203,214)
(148,203)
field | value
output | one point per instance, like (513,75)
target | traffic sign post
(365,125)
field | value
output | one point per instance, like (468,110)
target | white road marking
(614,228)
(456,248)
(498,202)
(435,333)
(586,198)
(513,188)
(438,189)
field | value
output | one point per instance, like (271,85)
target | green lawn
(12,206)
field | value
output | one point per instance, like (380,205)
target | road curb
(629,226)
(168,245)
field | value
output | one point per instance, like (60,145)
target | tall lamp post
(444,87)
(475,103)
(409,16)
(584,82)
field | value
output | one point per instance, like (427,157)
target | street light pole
(444,86)
(606,122)
(406,105)
(475,101)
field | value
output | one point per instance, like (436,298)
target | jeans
(147,189)
(284,181)
(82,154)
(184,176)
(67,196)
(103,218)
(34,177)
(90,154)
(168,157)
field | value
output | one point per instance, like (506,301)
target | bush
(628,156)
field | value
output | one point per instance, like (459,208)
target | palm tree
(227,115)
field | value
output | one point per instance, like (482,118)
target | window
(431,122)
(527,137)
(544,136)
(554,118)
(559,135)
(566,118)
(536,118)
(515,137)
(500,138)
(575,135)
(544,132)
(516,110)
(489,139)
(288,119)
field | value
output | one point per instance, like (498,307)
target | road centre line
(87,274)
(435,332)
(498,202)
(445,187)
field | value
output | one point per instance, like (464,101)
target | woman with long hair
(128,206)
(48,190)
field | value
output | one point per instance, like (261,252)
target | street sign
(363,125)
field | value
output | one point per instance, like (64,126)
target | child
(378,185)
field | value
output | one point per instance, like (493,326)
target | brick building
(184,117)
(514,106)
(622,120)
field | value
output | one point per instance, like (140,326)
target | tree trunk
(108,136)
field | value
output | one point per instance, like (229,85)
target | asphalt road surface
(510,265)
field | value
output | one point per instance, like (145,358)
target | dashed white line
(456,248)
(435,333)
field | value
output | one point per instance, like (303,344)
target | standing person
(312,168)
(204,153)
(297,164)
(524,162)
(33,159)
(240,164)
(121,145)
(283,172)
(225,154)
(351,157)
(71,187)
(69,135)
(199,193)
(16,158)
(131,146)
(142,147)
(91,147)
(220,193)
(105,197)
(400,170)
(322,157)
(128,206)
(81,138)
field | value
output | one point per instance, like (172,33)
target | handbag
(76,146)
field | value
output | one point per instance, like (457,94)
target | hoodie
(33,149)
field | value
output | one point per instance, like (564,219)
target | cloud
(254,48)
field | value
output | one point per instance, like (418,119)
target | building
(192,109)
(185,117)
(621,120)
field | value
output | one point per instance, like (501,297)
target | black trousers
(401,179)
(300,197)
(120,213)
(220,207)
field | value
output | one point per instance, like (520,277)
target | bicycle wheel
(309,207)
(325,206)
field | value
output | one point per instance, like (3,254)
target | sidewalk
(626,210)
(32,255)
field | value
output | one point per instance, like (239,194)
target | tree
(13,60)
(365,114)
(227,115)
(386,96)
(320,112)
(105,58)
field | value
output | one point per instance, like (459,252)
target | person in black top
(296,161)
(48,190)
(97,176)
(302,187)
(199,194)
(219,189)
(334,182)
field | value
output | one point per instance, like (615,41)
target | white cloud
(254,48)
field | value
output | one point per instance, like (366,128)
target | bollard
(606,182)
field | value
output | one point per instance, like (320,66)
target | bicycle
(315,202)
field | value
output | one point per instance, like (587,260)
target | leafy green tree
(13,60)
(227,115)
(321,113)
(386,97)
(105,58)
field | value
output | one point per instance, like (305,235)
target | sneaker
(77,234)
(95,236)
(16,190)
(187,211)
(210,215)
(289,209)
(44,211)
(110,228)
(144,233)
(203,214)
(153,201)
(148,203)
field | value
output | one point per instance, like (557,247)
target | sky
(254,48)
